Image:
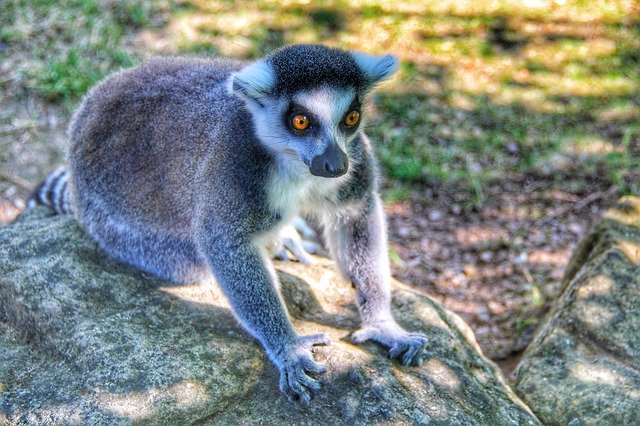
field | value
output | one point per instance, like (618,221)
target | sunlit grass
(486,89)
(59,49)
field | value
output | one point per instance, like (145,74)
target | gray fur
(185,167)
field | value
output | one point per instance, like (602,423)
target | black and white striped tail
(53,192)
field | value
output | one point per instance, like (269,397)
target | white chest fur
(289,191)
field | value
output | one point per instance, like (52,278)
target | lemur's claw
(295,380)
(319,339)
(408,347)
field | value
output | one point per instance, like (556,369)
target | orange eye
(300,122)
(352,118)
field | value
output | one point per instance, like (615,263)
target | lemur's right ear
(375,68)
(254,82)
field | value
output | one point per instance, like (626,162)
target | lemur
(187,167)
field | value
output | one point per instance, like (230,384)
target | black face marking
(304,66)
(296,109)
(355,106)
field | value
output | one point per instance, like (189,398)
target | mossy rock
(85,340)
(583,367)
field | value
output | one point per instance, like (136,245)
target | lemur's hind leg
(161,254)
(296,241)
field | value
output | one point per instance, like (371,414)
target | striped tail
(53,192)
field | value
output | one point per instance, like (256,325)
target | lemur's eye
(300,122)
(352,118)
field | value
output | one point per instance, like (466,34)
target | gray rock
(583,367)
(86,340)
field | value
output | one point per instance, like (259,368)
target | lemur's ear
(376,68)
(253,82)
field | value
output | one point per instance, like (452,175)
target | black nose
(333,162)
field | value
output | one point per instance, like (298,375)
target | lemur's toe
(282,254)
(362,335)
(396,350)
(319,339)
(410,354)
(298,249)
(303,228)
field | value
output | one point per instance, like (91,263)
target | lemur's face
(306,102)
(313,126)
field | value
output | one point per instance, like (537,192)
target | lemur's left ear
(375,68)
(253,82)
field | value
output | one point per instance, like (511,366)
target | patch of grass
(62,48)
(624,165)
(523,323)
(485,92)
(397,193)
(74,74)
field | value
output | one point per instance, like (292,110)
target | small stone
(513,148)
(495,307)
(404,232)
(435,215)
(576,228)
(482,330)
(470,271)
(10,192)
(486,256)
(483,315)
(520,259)
(19,203)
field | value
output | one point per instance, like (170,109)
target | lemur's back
(138,140)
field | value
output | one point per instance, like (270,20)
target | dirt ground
(499,267)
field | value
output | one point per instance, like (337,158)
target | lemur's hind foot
(408,347)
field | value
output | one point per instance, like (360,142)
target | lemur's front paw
(297,364)
(408,347)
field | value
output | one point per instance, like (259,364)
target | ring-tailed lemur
(181,167)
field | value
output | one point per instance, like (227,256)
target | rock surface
(583,367)
(86,340)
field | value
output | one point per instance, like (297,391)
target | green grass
(73,74)
(62,48)
(485,92)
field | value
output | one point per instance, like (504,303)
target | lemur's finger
(284,384)
(396,350)
(315,339)
(296,385)
(308,382)
(362,335)
(313,367)
(407,358)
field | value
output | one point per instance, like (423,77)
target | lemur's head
(306,101)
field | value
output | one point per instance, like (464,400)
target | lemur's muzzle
(332,163)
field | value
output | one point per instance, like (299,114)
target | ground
(511,125)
